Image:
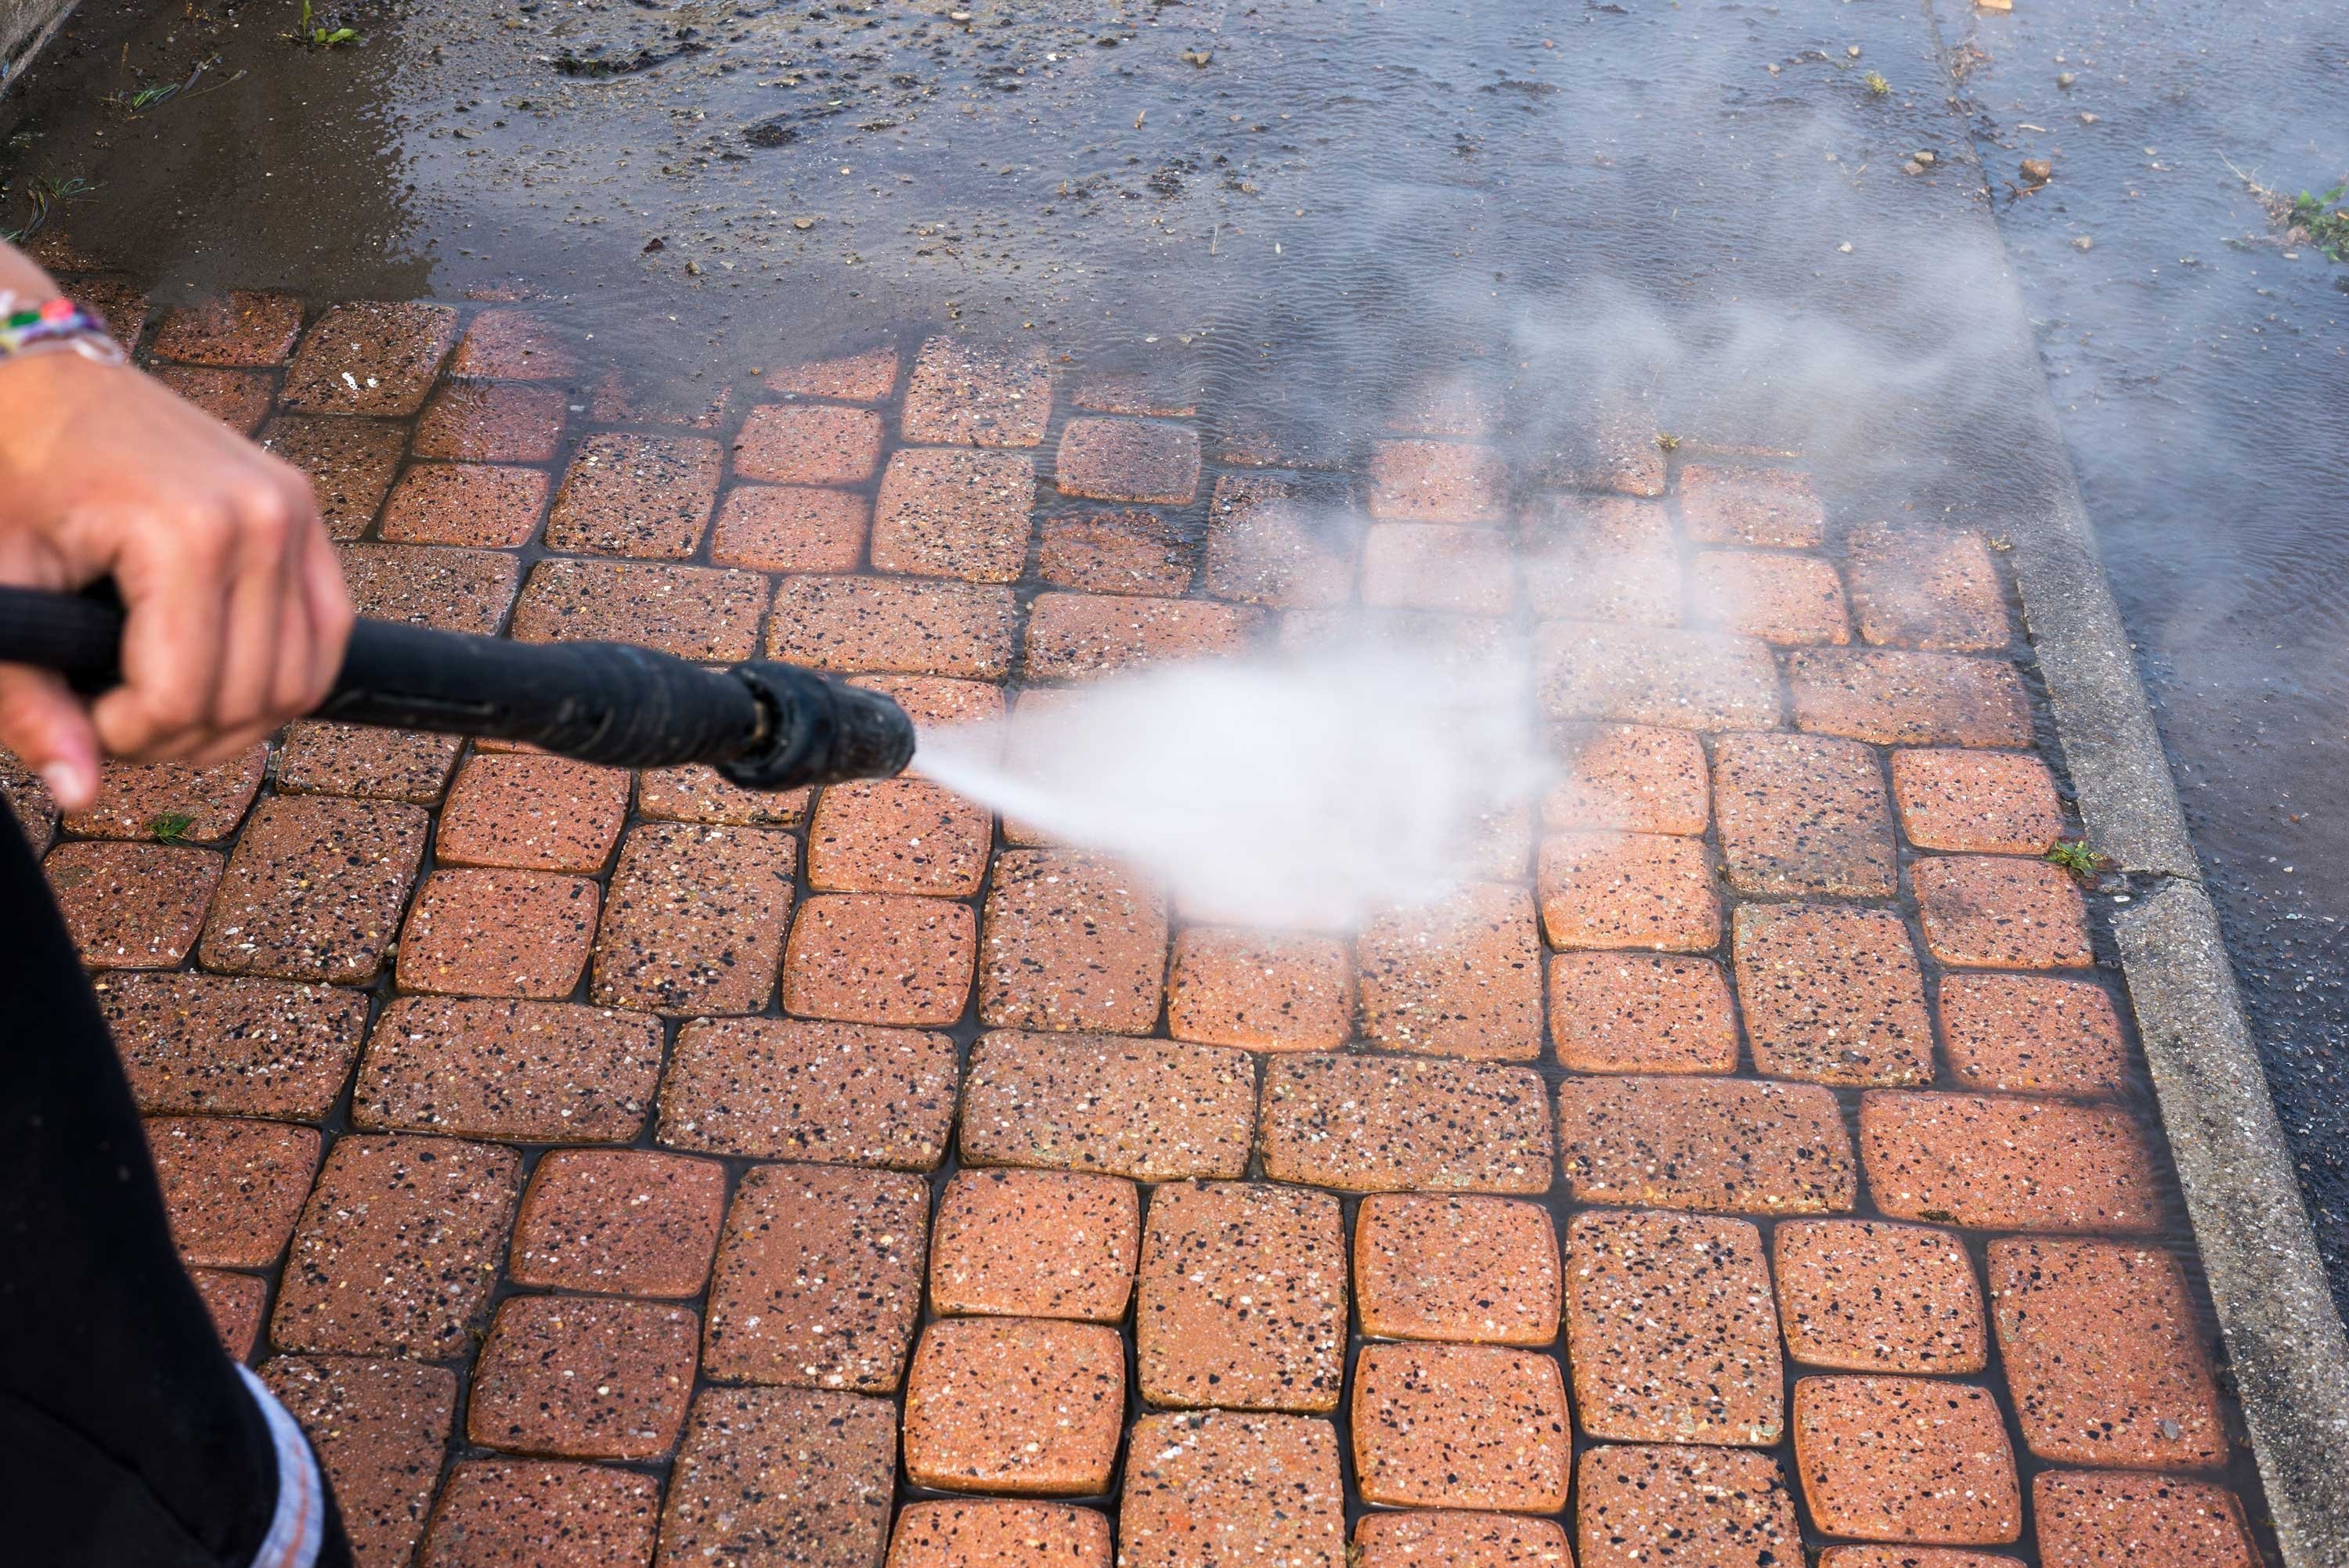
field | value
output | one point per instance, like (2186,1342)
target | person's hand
(237,614)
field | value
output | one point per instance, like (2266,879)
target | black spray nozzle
(763,726)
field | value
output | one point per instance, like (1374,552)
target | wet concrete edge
(2285,1343)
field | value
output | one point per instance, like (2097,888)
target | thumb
(49,728)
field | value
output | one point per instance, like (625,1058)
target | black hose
(763,726)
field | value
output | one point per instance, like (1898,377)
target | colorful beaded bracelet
(60,322)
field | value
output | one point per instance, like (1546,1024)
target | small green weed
(314,34)
(131,105)
(1876,84)
(1667,441)
(2314,218)
(43,194)
(2075,856)
(171,828)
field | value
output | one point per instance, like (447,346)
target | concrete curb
(2290,1354)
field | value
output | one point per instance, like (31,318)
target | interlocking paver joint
(1750,1113)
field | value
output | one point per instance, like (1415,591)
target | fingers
(47,726)
(175,583)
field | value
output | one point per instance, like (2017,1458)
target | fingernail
(70,782)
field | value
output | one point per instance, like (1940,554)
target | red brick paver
(1656,676)
(1035,1243)
(1868,1296)
(694,921)
(499,933)
(1483,1270)
(476,505)
(1988,801)
(786,1089)
(1832,994)
(241,326)
(1638,1012)
(2006,1164)
(1690,1507)
(1260,990)
(866,376)
(1461,978)
(977,1534)
(1016,1405)
(1218,1489)
(1631,776)
(954,513)
(1671,1330)
(1705,1143)
(232,1189)
(1070,941)
(636,495)
(496,1514)
(966,394)
(350,463)
(541,1071)
(1154,1110)
(1926,588)
(631,1223)
(788,528)
(532,814)
(1906,1458)
(132,906)
(1128,459)
(880,958)
(1113,553)
(1272,542)
(500,423)
(1750,507)
(2138,1522)
(812,445)
(1370,1124)
(1438,481)
(1461,1426)
(1791,600)
(1241,1302)
(370,358)
(1909,700)
(693,611)
(578,1378)
(379,1429)
(2002,912)
(1802,816)
(1600,560)
(899,625)
(1628,890)
(313,889)
(186,804)
(2029,1034)
(1459,1540)
(784,1475)
(206,1044)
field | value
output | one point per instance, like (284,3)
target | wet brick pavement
(1750,1163)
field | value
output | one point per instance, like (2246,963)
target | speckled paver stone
(1157,1110)
(2125,1521)
(499,1513)
(314,889)
(1705,1143)
(1036,1243)
(198,805)
(1683,1506)
(695,918)
(1070,941)
(1260,990)
(532,814)
(242,326)
(894,625)
(498,932)
(1832,994)
(132,906)
(1634,777)
(237,398)
(899,836)
(1074,635)
(1128,460)
(512,344)
(350,463)
(397,1248)
(949,512)
(1909,700)
(1656,676)
(1790,600)
(968,394)
(1628,890)
(1640,1012)
(1438,481)
(1601,559)
(693,611)
(1997,1163)
(1459,977)
(1459,1540)
(791,528)
(234,1302)
(1989,802)
(471,505)
(1913,1557)
(1461,1268)
(1027,1406)
(1864,1296)
(1906,1458)
(470,422)
(782,1477)
(786,1089)
(319,757)
(1113,553)
(379,1429)
(1436,566)
(697,793)
(819,1278)
(865,377)
(1802,816)
(540,1072)
(626,1222)
(1276,543)
(1461,1426)
(232,1189)
(636,495)
(2030,1033)
(428,585)
(1926,587)
(1372,1124)
(782,443)
(880,958)
(1750,506)
(1241,1302)
(578,1378)
(2103,1354)
(1998,911)
(1220,1489)
(986,1534)
(226,1047)
(370,358)
(1670,1331)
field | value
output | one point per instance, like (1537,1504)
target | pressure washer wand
(761,725)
